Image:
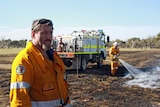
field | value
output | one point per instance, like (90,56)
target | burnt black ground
(96,88)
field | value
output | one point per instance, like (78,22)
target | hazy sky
(120,19)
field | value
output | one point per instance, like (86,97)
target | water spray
(133,71)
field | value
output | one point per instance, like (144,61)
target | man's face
(43,37)
(115,46)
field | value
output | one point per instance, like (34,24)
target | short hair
(38,22)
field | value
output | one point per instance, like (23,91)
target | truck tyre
(83,64)
(100,62)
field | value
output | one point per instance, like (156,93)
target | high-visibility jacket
(36,81)
(113,51)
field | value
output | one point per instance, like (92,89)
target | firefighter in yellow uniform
(114,53)
(37,74)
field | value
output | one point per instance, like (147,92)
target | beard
(46,46)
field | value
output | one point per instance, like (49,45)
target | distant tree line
(150,42)
(12,43)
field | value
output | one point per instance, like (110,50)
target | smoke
(149,78)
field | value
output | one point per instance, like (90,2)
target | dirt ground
(95,87)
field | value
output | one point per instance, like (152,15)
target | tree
(158,36)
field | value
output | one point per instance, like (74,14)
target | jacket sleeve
(111,53)
(21,79)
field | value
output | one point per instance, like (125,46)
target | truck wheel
(83,64)
(100,62)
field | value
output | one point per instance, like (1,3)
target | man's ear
(32,34)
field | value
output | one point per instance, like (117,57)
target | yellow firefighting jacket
(112,52)
(37,82)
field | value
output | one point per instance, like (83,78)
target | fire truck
(81,47)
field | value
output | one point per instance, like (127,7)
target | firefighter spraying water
(114,53)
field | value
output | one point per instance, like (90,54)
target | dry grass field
(94,87)
(6,58)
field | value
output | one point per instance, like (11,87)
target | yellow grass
(5,66)
(16,50)
(5,61)
(10,51)
(137,49)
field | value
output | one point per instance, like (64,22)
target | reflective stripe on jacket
(37,81)
(53,103)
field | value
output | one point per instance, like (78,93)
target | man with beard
(37,73)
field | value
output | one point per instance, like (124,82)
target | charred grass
(94,87)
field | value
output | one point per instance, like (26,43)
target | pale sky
(120,19)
